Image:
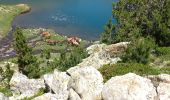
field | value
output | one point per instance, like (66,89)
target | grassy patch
(41,43)
(6,91)
(163,53)
(165,70)
(7,14)
(109,71)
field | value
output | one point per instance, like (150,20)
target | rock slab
(129,87)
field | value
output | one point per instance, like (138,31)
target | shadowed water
(83,18)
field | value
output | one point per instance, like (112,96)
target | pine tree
(107,35)
(142,18)
(27,63)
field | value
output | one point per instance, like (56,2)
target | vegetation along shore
(7,14)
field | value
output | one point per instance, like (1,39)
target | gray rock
(87,82)
(129,87)
(50,96)
(22,87)
(164,91)
(73,95)
(101,54)
(162,83)
(58,82)
(3,97)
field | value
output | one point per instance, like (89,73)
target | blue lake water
(83,18)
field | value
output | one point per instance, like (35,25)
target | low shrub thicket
(109,71)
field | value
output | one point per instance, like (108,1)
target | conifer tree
(27,63)
(107,35)
(142,18)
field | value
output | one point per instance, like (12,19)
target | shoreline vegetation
(8,13)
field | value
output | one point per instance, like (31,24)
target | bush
(6,91)
(135,19)
(6,77)
(27,63)
(70,59)
(109,71)
(139,51)
(163,51)
(165,70)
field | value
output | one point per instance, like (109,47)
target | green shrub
(135,19)
(27,62)
(109,71)
(165,70)
(71,59)
(138,51)
(6,91)
(163,53)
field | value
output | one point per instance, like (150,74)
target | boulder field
(84,82)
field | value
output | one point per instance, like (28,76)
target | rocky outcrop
(22,87)
(3,97)
(50,96)
(73,95)
(78,83)
(84,81)
(164,87)
(164,91)
(101,54)
(129,87)
(87,82)
(162,84)
(58,83)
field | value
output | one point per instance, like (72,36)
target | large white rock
(58,82)
(163,88)
(164,91)
(73,95)
(21,85)
(100,54)
(164,78)
(3,97)
(129,87)
(50,96)
(87,82)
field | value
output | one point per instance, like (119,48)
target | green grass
(163,53)
(7,14)
(6,91)
(109,71)
(41,45)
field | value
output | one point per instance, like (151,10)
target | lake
(82,18)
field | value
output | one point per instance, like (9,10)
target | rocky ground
(84,82)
